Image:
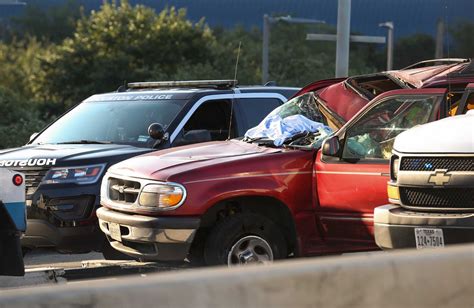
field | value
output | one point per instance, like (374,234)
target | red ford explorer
(252,201)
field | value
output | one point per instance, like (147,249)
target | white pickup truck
(431,187)
(12,222)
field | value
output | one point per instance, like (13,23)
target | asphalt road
(50,258)
(48,267)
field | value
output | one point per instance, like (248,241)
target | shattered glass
(297,122)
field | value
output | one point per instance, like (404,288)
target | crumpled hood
(166,162)
(449,135)
(65,154)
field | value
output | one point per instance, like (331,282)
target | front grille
(123,190)
(33,177)
(445,198)
(433,163)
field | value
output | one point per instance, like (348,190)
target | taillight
(17,180)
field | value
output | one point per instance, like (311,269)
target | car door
(466,103)
(353,181)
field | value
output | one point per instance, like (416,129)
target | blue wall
(409,16)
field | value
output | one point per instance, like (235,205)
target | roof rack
(468,70)
(184,84)
(434,62)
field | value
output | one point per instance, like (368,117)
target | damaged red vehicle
(250,201)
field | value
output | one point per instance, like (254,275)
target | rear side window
(254,110)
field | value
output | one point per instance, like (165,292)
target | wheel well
(268,207)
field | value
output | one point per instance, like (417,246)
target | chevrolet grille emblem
(121,189)
(439,177)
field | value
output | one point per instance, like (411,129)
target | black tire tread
(227,231)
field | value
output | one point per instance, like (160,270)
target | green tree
(18,121)
(463,42)
(412,49)
(21,66)
(122,43)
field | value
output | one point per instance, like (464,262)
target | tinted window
(124,122)
(210,122)
(255,110)
(212,116)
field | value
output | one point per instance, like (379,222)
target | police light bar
(188,84)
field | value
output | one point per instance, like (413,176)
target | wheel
(244,239)
(110,253)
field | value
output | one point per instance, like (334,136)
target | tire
(244,238)
(110,253)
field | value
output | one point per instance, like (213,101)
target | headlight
(162,196)
(394,166)
(77,175)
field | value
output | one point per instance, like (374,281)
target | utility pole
(343,34)
(389,25)
(344,37)
(439,39)
(265,48)
(267,22)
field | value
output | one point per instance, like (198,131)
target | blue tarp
(277,129)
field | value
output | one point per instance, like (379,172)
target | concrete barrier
(430,278)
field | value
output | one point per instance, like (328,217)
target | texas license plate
(114,230)
(429,238)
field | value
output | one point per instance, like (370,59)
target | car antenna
(233,98)
(449,55)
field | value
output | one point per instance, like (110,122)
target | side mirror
(156,131)
(195,136)
(33,136)
(331,146)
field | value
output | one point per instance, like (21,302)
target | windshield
(298,121)
(122,122)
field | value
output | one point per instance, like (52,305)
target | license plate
(114,230)
(429,238)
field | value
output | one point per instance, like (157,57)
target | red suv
(249,201)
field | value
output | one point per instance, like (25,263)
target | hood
(450,135)
(175,160)
(66,155)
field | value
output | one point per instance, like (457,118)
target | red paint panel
(342,100)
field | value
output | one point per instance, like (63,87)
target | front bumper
(149,238)
(394,227)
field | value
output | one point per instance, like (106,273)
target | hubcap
(250,249)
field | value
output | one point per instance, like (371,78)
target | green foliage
(463,42)
(21,66)
(123,43)
(19,122)
(412,49)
